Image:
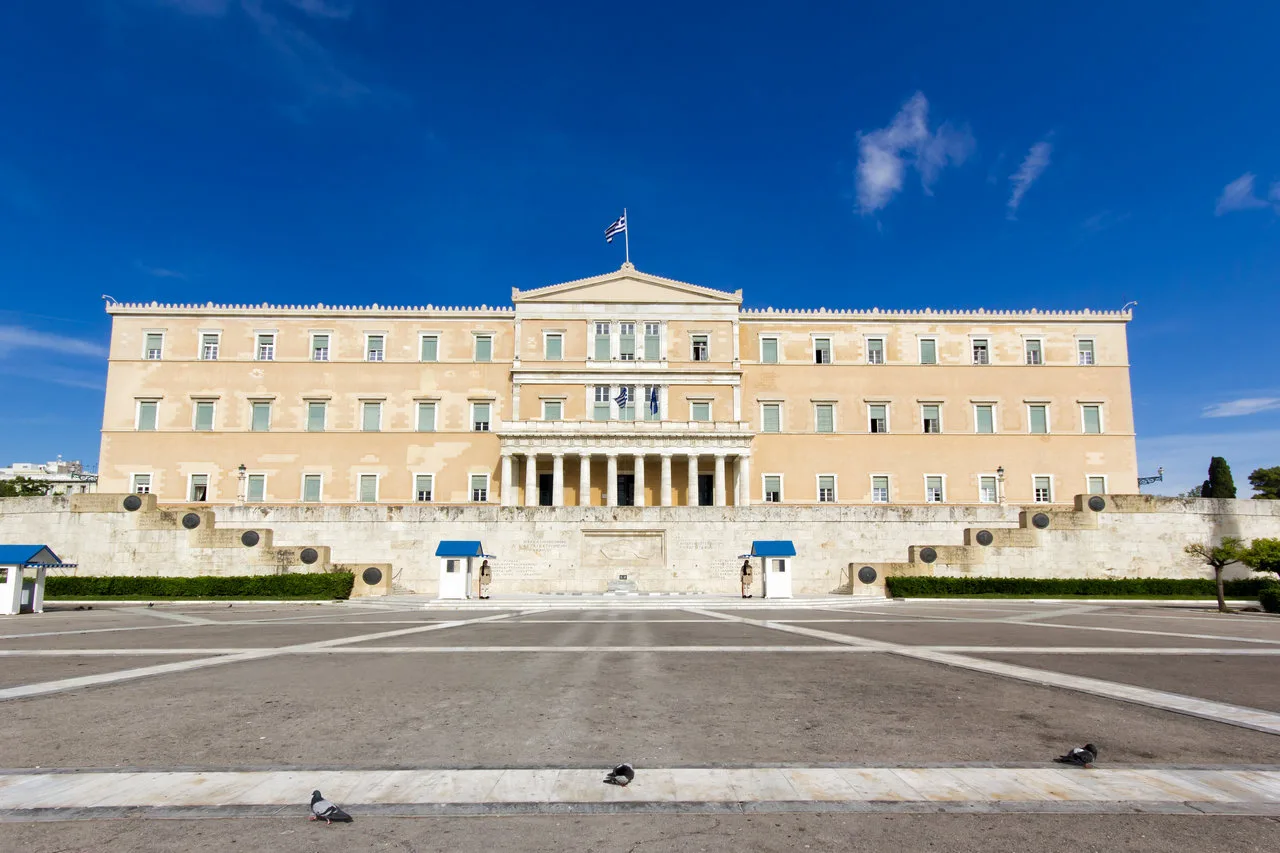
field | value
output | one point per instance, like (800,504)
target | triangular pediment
(627,285)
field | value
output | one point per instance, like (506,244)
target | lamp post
(240,492)
(1000,484)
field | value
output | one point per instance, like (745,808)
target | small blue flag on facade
(618,227)
(621,399)
(653,399)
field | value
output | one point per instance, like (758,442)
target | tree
(1219,484)
(23,487)
(1266,482)
(1193,492)
(1218,557)
(1262,556)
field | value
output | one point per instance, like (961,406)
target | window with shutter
(257,488)
(652,341)
(422,487)
(261,420)
(627,341)
(1043,490)
(147,415)
(985,417)
(772,488)
(319,347)
(1035,354)
(1092,419)
(772,417)
(375,346)
(880,490)
(1039,419)
(368,488)
(769,350)
(981,351)
(822,350)
(875,350)
(426,417)
(484,348)
(315,416)
(555,347)
(702,411)
(600,405)
(1097,485)
(199,488)
(602,353)
(928,351)
(311,487)
(479,488)
(142,484)
(932,418)
(879,417)
(987,490)
(371,418)
(480,417)
(933,490)
(209,346)
(826,488)
(154,345)
(204,416)
(1084,351)
(552,410)
(266,347)
(825,417)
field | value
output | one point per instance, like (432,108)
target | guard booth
(456,566)
(15,596)
(775,565)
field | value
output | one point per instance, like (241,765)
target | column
(720,490)
(508,489)
(37,592)
(11,592)
(584,479)
(693,479)
(744,481)
(530,479)
(664,493)
(639,480)
(557,479)
(611,475)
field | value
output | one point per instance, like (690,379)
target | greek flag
(615,229)
(653,399)
(622,398)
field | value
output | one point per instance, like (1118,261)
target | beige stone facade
(519,405)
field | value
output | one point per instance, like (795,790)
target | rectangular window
(147,415)
(142,484)
(552,410)
(701,348)
(822,350)
(600,404)
(1084,351)
(880,490)
(480,417)
(984,417)
(484,348)
(368,488)
(204,415)
(933,490)
(375,347)
(627,410)
(480,488)
(603,353)
(773,488)
(266,350)
(879,417)
(932,418)
(981,351)
(768,350)
(260,420)
(987,490)
(554,347)
(1035,352)
(426,416)
(429,348)
(319,347)
(315,416)
(824,417)
(209,346)
(154,348)
(199,489)
(256,490)
(701,411)
(826,488)
(1092,419)
(1038,419)
(627,341)
(371,416)
(423,485)
(652,342)
(1097,485)
(1043,490)
(928,351)
(311,487)
(652,403)
(875,350)
(771,417)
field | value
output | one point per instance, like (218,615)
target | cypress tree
(1219,484)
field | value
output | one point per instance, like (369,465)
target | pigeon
(620,775)
(322,809)
(1080,756)
(151,604)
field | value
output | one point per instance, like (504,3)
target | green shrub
(928,586)
(1269,597)
(326,585)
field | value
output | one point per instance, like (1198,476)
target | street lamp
(1000,484)
(240,493)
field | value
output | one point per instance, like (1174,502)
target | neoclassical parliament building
(625,389)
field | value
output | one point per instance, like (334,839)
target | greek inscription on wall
(623,549)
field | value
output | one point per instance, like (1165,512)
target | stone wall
(671,549)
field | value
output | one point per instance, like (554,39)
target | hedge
(326,585)
(929,586)
(1269,598)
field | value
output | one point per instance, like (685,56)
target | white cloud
(1185,458)
(1243,406)
(1033,166)
(1239,195)
(20,338)
(884,155)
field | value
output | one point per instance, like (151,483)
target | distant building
(64,477)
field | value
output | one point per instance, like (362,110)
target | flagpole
(626,234)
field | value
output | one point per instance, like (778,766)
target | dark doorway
(626,490)
(706,489)
(544,489)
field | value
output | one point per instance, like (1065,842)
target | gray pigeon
(322,809)
(1080,756)
(621,775)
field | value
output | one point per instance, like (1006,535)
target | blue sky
(1003,155)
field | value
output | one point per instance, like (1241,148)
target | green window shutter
(257,488)
(147,416)
(702,411)
(552,410)
(372,419)
(479,487)
(422,487)
(826,418)
(928,352)
(368,488)
(484,349)
(426,417)
(1092,419)
(651,347)
(1039,420)
(155,344)
(311,488)
(627,346)
(769,350)
(430,348)
(600,412)
(1097,486)
(985,421)
(204,416)
(315,417)
(773,485)
(555,348)
(772,417)
(261,417)
(602,347)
